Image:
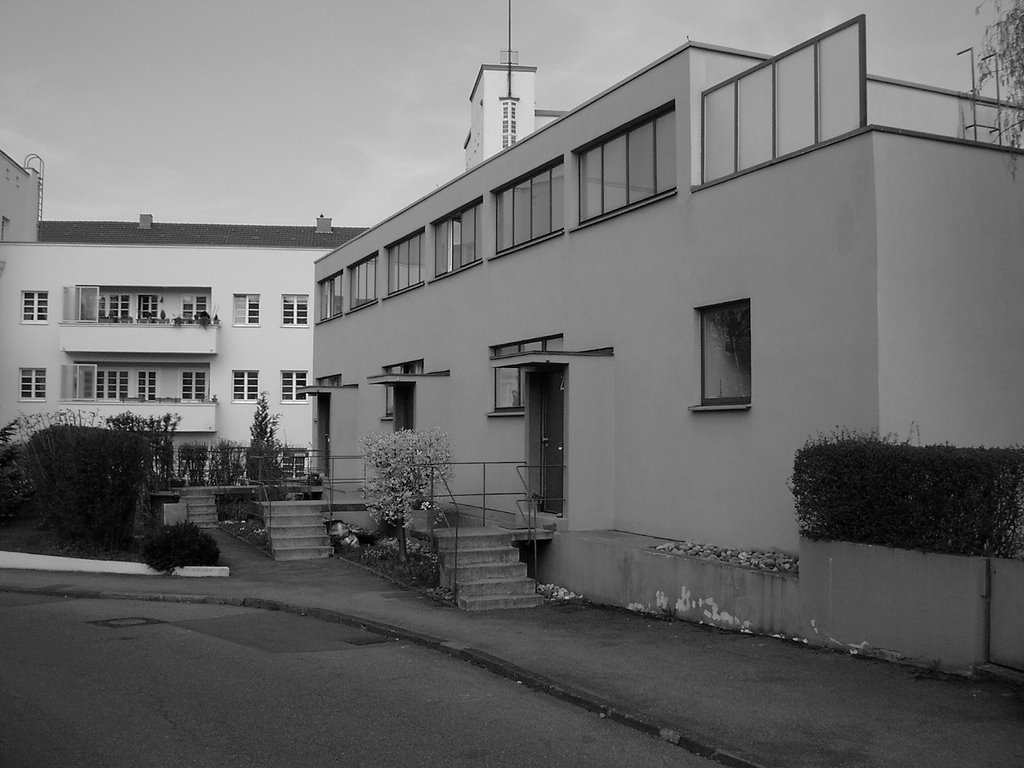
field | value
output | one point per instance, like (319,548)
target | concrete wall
(269,348)
(19,200)
(922,608)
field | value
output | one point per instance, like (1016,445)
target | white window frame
(247,309)
(248,382)
(32,384)
(194,386)
(112,383)
(295,310)
(35,307)
(291,382)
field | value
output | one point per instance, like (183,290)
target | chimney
(323,225)
(145,221)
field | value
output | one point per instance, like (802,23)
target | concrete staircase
(201,506)
(297,530)
(486,569)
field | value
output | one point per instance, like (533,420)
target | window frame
(245,306)
(35,379)
(200,384)
(622,134)
(395,283)
(146,384)
(445,246)
(291,383)
(112,383)
(330,296)
(408,368)
(298,316)
(359,277)
(248,382)
(38,311)
(743,400)
(522,190)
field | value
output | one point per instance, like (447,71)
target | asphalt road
(130,683)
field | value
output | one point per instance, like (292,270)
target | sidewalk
(741,699)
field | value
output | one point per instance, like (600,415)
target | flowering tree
(406,466)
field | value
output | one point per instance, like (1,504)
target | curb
(496,665)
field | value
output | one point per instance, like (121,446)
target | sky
(277,111)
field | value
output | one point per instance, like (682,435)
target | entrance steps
(482,566)
(201,506)
(297,530)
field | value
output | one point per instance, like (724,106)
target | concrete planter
(903,605)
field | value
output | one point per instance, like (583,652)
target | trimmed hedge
(174,546)
(939,498)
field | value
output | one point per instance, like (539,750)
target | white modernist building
(154,318)
(648,305)
(20,200)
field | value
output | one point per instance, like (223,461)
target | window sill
(460,270)
(294,325)
(626,209)
(511,412)
(528,243)
(729,407)
(407,288)
(387,418)
(245,325)
(35,322)
(362,306)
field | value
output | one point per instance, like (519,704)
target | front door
(323,425)
(546,398)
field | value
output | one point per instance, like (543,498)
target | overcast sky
(274,111)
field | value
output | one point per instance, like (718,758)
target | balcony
(195,416)
(139,337)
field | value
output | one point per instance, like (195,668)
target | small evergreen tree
(263,457)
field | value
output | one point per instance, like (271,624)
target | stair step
(298,542)
(290,523)
(302,553)
(493,587)
(489,603)
(484,571)
(290,534)
(480,556)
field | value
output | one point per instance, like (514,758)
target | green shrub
(174,546)
(192,461)
(159,432)
(14,486)
(89,482)
(939,498)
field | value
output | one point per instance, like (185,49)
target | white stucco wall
(19,200)
(269,347)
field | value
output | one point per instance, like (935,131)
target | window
(629,167)
(291,382)
(115,305)
(725,353)
(330,297)
(293,463)
(508,388)
(4,224)
(531,208)
(35,306)
(149,306)
(247,309)
(295,309)
(508,123)
(405,263)
(193,386)
(246,385)
(363,288)
(111,384)
(33,383)
(78,381)
(455,240)
(193,305)
(147,385)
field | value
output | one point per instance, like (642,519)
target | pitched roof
(160,233)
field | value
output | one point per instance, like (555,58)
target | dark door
(405,406)
(323,425)
(547,453)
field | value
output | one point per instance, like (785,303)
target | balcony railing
(140,337)
(196,416)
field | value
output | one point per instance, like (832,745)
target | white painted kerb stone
(26,561)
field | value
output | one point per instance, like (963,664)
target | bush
(939,498)
(14,486)
(174,546)
(192,460)
(89,482)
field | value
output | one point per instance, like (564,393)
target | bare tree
(1002,63)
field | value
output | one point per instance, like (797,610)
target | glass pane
(615,193)
(719,133)
(794,89)
(415,260)
(521,213)
(665,149)
(468,236)
(557,197)
(726,351)
(505,219)
(540,204)
(506,388)
(441,252)
(839,83)
(641,162)
(755,118)
(590,184)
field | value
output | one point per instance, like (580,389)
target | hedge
(938,498)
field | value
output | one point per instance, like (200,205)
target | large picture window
(632,166)
(455,240)
(330,297)
(405,263)
(725,353)
(531,208)
(363,285)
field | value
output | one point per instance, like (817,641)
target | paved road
(126,683)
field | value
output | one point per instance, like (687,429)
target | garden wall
(623,569)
